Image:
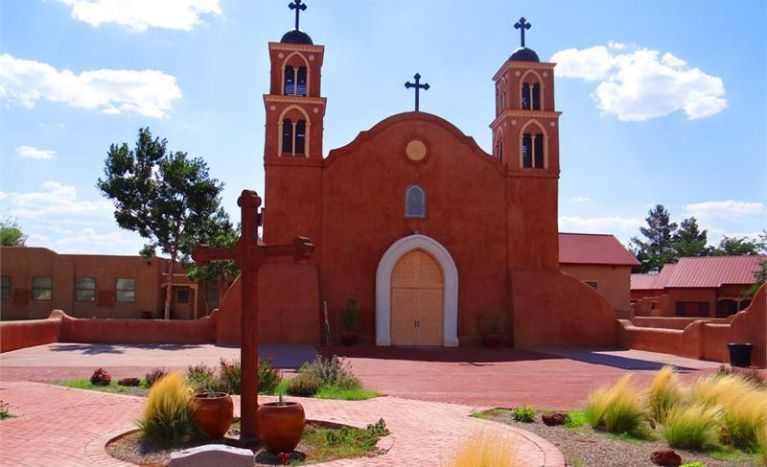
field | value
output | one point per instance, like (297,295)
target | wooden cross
(249,256)
(418,86)
(522,24)
(299,7)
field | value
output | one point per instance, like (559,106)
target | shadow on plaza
(116,349)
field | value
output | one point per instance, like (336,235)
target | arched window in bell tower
(536,96)
(301,81)
(287,136)
(300,137)
(415,202)
(525,96)
(533,150)
(289,87)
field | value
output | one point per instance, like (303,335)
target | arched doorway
(417,289)
(429,257)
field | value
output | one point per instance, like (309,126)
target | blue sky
(662,101)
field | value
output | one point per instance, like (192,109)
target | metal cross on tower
(299,7)
(418,86)
(522,24)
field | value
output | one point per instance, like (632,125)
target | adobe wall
(614,283)
(552,309)
(21,334)
(671,322)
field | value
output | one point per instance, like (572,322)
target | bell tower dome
(526,126)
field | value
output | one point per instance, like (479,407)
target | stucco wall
(614,283)
(20,334)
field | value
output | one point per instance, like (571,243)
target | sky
(663,101)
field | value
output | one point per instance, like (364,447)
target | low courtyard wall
(705,339)
(20,334)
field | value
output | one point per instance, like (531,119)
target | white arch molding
(383,287)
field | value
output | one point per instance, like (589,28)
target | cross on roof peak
(522,24)
(418,86)
(299,7)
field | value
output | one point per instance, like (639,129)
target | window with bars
(42,288)
(125,290)
(85,289)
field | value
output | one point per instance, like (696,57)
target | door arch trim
(389,259)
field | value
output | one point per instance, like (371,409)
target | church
(429,234)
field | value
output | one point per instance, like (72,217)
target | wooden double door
(417,300)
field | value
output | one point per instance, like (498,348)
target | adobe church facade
(428,233)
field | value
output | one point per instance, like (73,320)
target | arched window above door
(415,202)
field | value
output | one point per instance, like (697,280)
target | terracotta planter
(213,413)
(349,338)
(491,340)
(280,426)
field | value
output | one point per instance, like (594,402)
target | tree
(11,234)
(167,197)
(659,247)
(734,246)
(688,240)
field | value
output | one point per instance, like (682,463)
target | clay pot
(213,413)
(280,426)
(491,340)
(349,338)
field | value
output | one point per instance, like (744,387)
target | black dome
(523,54)
(296,37)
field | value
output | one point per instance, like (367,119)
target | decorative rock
(553,419)
(212,455)
(666,457)
(129,382)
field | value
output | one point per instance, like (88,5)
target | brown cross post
(249,256)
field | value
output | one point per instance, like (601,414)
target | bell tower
(526,141)
(293,156)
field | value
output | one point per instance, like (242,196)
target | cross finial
(418,86)
(522,24)
(299,7)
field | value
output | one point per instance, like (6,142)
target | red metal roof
(714,271)
(655,281)
(577,248)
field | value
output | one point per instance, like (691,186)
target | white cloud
(579,199)
(149,93)
(607,224)
(640,84)
(56,200)
(723,209)
(32,152)
(139,15)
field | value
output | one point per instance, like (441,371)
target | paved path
(69,427)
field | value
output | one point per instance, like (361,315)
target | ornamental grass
(485,450)
(761,443)
(692,427)
(663,394)
(617,409)
(167,417)
(743,417)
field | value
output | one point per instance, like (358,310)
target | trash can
(740,354)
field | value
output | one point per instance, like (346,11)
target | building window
(125,290)
(593,284)
(525,96)
(415,202)
(692,308)
(533,151)
(182,295)
(289,87)
(531,96)
(287,136)
(499,150)
(536,96)
(6,282)
(301,80)
(85,289)
(503,100)
(300,137)
(42,288)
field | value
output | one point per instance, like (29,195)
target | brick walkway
(69,427)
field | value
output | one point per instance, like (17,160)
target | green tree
(734,246)
(11,234)
(167,197)
(689,240)
(658,248)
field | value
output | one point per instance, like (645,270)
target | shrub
(154,375)
(5,410)
(743,417)
(129,382)
(268,376)
(617,409)
(168,411)
(575,418)
(328,370)
(101,377)
(523,414)
(484,449)
(201,378)
(761,443)
(230,376)
(719,390)
(693,464)
(664,393)
(692,427)
(304,385)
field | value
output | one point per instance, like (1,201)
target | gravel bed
(583,447)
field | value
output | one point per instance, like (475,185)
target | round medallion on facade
(545,74)
(552,124)
(272,108)
(311,58)
(415,150)
(280,55)
(517,73)
(316,110)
